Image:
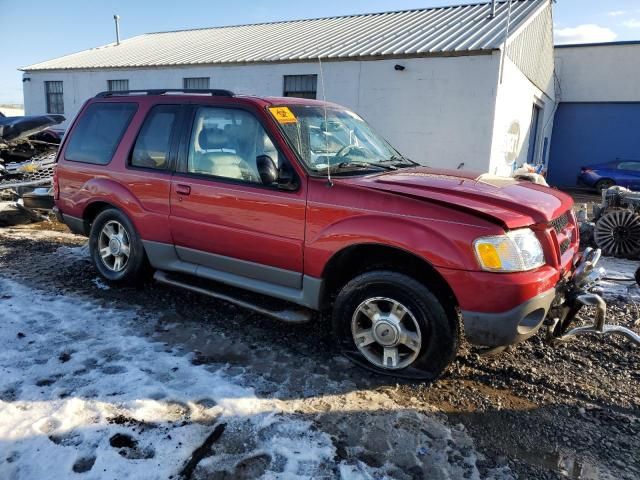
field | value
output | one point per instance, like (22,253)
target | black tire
(136,266)
(604,184)
(440,334)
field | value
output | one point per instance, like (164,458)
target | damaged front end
(573,295)
(28,148)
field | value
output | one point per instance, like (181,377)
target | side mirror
(267,169)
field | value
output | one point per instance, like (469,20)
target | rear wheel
(116,249)
(391,323)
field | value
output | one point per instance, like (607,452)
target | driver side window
(225,143)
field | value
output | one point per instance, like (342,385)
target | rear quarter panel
(142,194)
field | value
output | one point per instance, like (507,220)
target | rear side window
(629,166)
(98,132)
(153,143)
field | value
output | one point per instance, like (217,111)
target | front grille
(560,223)
(35,172)
(564,231)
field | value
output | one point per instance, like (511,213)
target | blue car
(625,173)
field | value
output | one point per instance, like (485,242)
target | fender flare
(110,192)
(408,235)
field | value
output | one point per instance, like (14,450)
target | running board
(286,315)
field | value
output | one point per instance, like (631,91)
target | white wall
(438,111)
(599,73)
(514,108)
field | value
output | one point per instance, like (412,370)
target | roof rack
(162,91)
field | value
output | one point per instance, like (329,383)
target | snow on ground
(81,252)
(83,395)
(72,378)
(620,268)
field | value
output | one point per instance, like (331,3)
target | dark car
(625,173)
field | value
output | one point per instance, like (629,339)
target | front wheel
(391,323)
(116,249)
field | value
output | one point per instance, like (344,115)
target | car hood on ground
(503,200)
(13,129)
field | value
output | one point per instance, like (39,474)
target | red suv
(302,201)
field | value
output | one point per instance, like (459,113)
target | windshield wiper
(363,164)
(400,160)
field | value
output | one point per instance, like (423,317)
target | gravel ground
(530,412)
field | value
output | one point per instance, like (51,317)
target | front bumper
(557,308)
(507,328)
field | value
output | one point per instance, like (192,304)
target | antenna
(326,148)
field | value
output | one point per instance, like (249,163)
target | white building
(447,86)
(598,118)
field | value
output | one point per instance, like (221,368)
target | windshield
(337,139)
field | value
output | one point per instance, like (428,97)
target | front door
(222,216)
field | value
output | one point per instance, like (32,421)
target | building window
(302,86)
(118,85)
(55,101)
(195,83)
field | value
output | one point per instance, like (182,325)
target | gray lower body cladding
(286,285)
(76,225)
(511,327)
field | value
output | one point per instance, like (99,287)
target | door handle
(183,189)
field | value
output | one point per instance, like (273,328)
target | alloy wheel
(114,246)
(386,332)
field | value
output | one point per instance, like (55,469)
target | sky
(38,30)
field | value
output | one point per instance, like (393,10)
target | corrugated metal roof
(434,31)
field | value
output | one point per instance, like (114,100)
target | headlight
(517,251)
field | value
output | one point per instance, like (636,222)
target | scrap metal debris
(28,147)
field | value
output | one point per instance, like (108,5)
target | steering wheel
(348,149)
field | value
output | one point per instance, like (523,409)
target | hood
(503,200)
(13,129)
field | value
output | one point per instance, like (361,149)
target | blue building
(598,115)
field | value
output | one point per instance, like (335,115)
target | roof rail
(162,91)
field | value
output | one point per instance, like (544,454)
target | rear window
(98,132)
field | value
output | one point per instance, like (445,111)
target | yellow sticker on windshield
(283,114)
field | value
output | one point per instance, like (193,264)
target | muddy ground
(531,412)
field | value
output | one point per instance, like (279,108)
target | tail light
(56,188)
